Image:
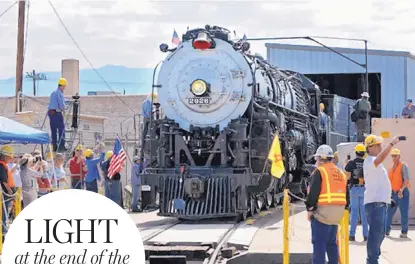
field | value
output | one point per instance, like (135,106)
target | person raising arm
(385,152)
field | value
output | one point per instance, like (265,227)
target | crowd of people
(364,187)
(38,175)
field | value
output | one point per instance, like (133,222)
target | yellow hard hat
(360,148)
(395,152)
(373,140)
(79,147)
(109,154)
(62,82)
(322,105)
(7,151)
(88,152)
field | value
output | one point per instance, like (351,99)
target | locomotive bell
(202,41)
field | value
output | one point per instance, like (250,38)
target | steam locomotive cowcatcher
(208,157)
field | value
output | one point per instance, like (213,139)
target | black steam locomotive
(208,157)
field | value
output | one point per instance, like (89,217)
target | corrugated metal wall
(410,76)
(392,69)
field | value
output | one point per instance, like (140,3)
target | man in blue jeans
(136,183)
(56,109)
(399,178)
(326,203)
(354,171)
(377,194)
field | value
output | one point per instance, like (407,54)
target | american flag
(117,159)
(175,39)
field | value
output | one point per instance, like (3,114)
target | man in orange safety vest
(399,179)
(326,203)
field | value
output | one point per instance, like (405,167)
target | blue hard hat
(409,100)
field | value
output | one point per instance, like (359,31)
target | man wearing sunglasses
(377,196)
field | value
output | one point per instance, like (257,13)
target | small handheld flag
(277,165)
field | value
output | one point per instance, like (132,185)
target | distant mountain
(119,78)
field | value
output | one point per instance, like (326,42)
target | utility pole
(35,77)
(20,51)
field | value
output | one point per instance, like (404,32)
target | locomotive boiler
(223,105)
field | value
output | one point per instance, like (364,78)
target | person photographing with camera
(377,196)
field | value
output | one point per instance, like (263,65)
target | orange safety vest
(395,177)
(333,185)
(10,179)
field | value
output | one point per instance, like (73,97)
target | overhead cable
(7,9)
(86,58)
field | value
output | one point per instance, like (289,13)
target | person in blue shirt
(92,176)
(323,117)
(323,123)
(146,111)
(56,108)
(136,182)
(113,186)
(104,168)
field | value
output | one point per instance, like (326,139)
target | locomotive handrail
(288,109)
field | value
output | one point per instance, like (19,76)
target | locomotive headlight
(198,87)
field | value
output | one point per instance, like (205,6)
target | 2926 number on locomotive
(199,101)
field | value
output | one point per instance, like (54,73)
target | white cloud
(129,32)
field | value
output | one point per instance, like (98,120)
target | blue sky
(118,78)
(129,32)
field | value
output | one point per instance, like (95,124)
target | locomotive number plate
(203,100)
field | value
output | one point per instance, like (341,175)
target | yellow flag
(277,165)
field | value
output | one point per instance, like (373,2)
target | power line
(7,9)
(85,57)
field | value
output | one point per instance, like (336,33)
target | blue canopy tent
(12,132)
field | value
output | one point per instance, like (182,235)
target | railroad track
(191,240)
(206,253)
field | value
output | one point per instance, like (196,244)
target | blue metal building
(395,69)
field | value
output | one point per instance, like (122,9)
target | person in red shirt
(78,169)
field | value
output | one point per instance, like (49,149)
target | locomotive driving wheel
(261,202)
(253,206)
(269,200)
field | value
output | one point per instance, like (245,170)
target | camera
(76,96)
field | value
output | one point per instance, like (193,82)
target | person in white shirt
(377,194)
(14,168)
(60,173)
(29,172)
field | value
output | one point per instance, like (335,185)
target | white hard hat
(324,151)
(365,94)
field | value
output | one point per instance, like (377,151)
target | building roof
(341,50)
